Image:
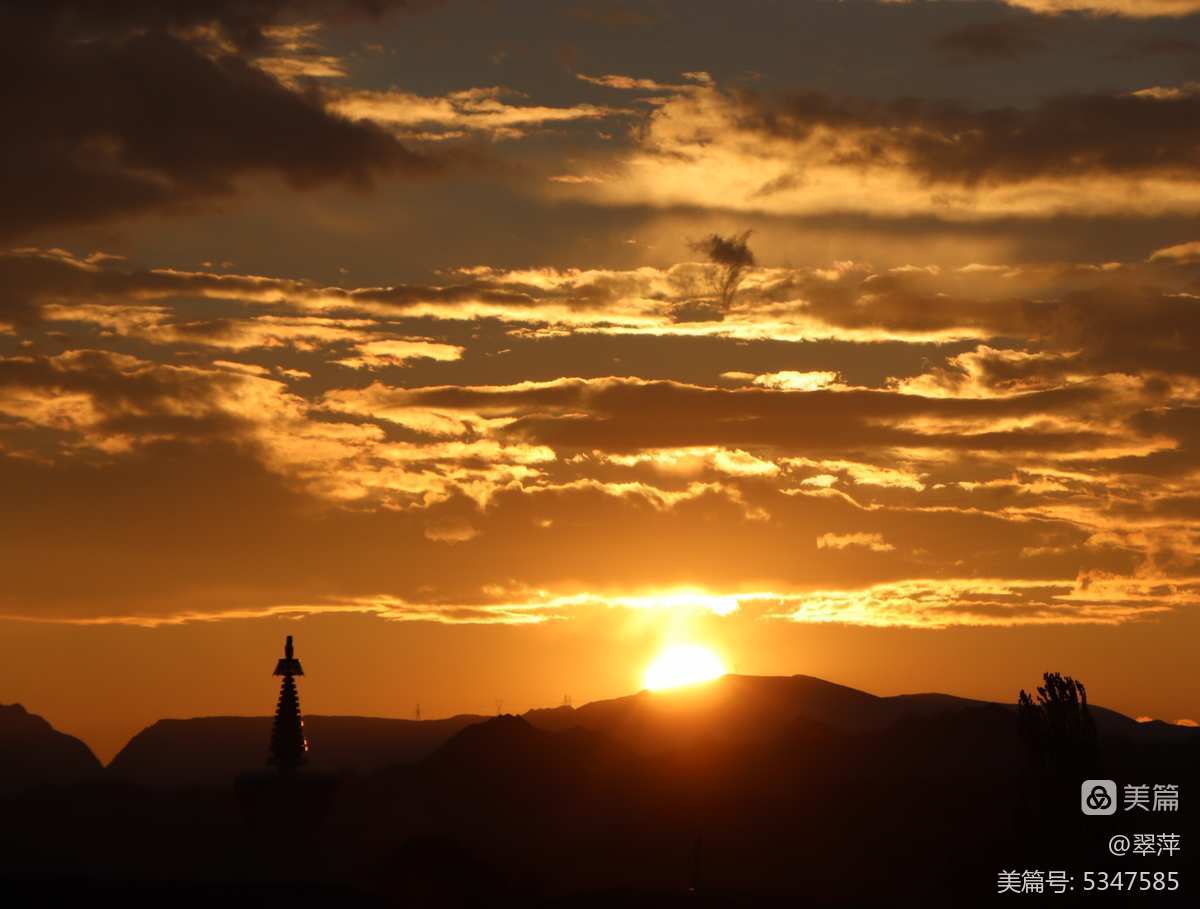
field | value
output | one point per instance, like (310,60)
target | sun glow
(683,664)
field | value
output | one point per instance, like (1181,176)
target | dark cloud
(118,112)
(1009,40)
(730,257)
(33,278)
(1130,319)
(1134,318)
(611,14)
(623,415)
(729,252)
(95,392)
(1163,45)
(240,21)
(697,311)
(950,143)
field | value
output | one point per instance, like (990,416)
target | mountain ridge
(33,753)
(733,710)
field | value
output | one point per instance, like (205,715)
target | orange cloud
(872,541)
(811,154)
(1182,252)
(1133,9)
(1054,451)
(482,110)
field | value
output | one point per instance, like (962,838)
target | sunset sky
(396,327)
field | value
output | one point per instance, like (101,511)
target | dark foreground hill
(925,810)
(34,753)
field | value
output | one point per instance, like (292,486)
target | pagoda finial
(288,665)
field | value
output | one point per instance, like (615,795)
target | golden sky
(399,327)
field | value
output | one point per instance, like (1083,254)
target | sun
(682,664)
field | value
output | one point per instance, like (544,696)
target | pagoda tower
(288,745)
(284,808)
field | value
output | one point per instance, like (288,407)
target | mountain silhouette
(34,753)
(843,800)
(730,711)
(741,708)
(754,791)
(212,750)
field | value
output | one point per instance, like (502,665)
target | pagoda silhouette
(285,797)
(289,748)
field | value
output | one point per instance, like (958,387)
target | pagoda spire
(288,745)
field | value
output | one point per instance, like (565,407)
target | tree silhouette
(1058,727)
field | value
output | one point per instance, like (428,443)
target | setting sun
(683,664)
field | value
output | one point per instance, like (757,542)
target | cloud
(856,472)
(161,325)
(482,110)
(1004,443)
(1080,319)
(1007,40)
(928,603)
(1048,442)
(626,83)
(623,414)
(400,352)
(1163,45)
(610,15)
(1182,252)
(116,404)
(730,257)
(636,84)
(992,146)
(816,153)
(246,25)
(1133,9)
(150,114)
(872,541)
(574,178)
(798,381)
(450,530)
(691,461)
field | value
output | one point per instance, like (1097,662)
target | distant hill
(32,753)
(208,751)
(734,708)
(732,711)
(742,708)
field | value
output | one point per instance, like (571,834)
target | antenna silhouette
(417,713)
(499,706)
